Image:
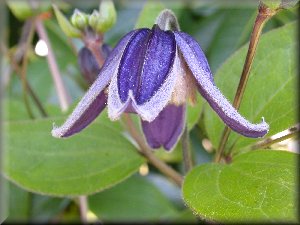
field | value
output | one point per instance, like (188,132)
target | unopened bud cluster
(99,21)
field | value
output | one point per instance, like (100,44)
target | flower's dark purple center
(146,63)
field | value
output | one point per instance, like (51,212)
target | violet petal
(167,127)
(200,69)
(152,94)
(157,63)
(131,64)
(95,95)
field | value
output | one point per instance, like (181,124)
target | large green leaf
(91,161)
(257,186)
(233,30)
(271,90)
(136,199)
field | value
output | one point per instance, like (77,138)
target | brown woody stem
(264,14)
(186,151)
(147,152)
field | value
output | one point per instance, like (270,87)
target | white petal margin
(114,104)
(108,70)
(215,98)
(150,109)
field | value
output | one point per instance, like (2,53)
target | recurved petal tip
(199,67)
(54,132)
(81,117)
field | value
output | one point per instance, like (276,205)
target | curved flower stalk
(152,72)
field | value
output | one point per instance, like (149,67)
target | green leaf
(171,157)
(149,13)
(235,26)
(3,196)
(136,199)
(97,158)
(15,110)
(45,208)
(193,112)
(18,204)
(271,88)
(25,206)
(258,186)
(20,9)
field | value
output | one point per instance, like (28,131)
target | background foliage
(46,175)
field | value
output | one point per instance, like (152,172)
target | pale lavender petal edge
(215,98)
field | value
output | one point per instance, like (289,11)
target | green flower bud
(79,19)
(93,19)
(108,14)
(103,20)
(65,25)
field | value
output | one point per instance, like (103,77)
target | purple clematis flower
(152,72)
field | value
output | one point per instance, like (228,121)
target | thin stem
(64,98)
(286,134)
(35,98)
(83,207)
(147,152)
(95,49)
(264,14)
(14,59)
(94,42)
(30,26)
(186,151)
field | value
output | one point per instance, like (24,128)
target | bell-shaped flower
(152,72)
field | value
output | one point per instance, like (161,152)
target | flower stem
(186,151)
(28,35)
(31,92)
(264,14)
(64,98)
(147,152)
(94,42)
(83,207)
